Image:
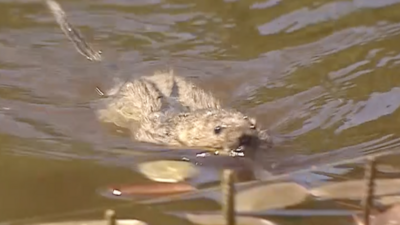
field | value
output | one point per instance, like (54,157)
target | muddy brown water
(325,73)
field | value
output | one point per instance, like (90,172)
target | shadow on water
(321,72)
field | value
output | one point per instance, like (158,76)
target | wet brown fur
(167,109)
(170,110)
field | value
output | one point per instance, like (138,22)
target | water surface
(322,72)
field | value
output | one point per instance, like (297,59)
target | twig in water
(110,217)
(203,192)
(228,191)
(73,35)
(370,174)
(100,92)
(281,176)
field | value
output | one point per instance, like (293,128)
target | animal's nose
(245,140)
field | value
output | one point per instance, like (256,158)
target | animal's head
(220,129)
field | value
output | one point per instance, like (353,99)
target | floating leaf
(384,168)
(152,189)
(168,170)
(270,196)
(214,219)
(390,216)
(96,222)
(389,200)
(354,189)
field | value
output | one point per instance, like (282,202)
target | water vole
(160,92)
(168,109)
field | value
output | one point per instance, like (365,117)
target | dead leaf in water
(354,189)
(389,200)
(168,171)
(154,189)
(96,222)
(391,216)
(141,191)
(384,168)
(270,196)
(205,219)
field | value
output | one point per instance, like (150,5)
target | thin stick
(110,217)
(81,45)
(272,177)
(206,190)
(228,191)
(370,174)
(73,35)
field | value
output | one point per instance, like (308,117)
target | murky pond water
(325,73)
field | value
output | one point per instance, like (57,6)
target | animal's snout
(245,140)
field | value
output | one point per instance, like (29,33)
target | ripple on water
(322,72)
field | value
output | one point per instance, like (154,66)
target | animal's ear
(252,121)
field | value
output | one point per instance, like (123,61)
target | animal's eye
(183,115)
(217,129)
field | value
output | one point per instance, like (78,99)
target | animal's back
(133,101)
(169,109)
(187,93)
(159,93)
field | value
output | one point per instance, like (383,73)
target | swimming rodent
(167,109)
(170,110)
(162,92)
